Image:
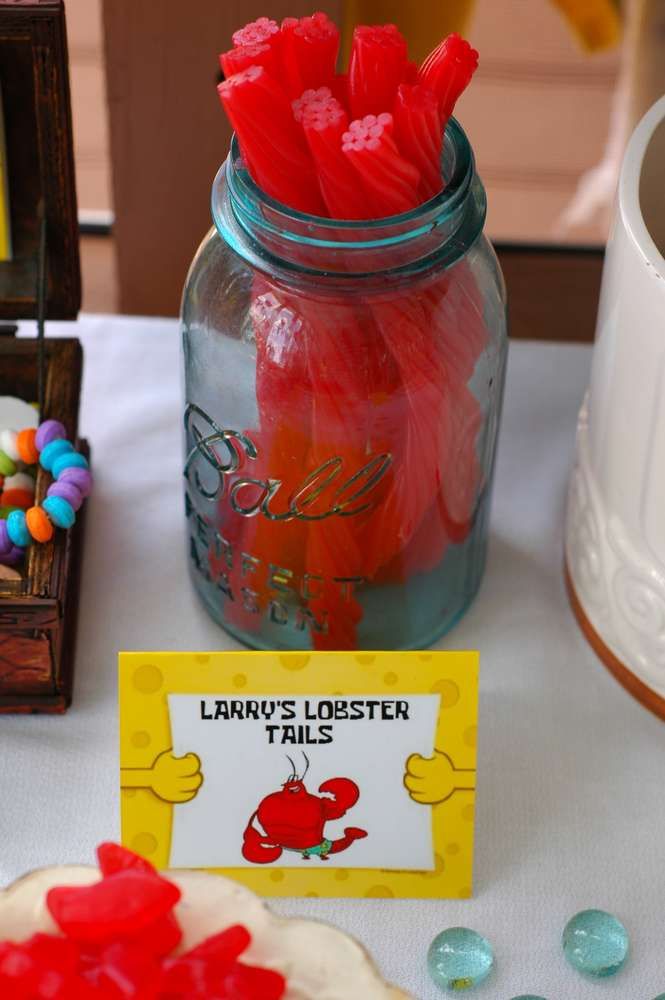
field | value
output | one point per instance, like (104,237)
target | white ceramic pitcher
(615,531)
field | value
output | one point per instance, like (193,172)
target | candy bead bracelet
(27,522)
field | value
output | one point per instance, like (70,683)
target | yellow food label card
(327,774)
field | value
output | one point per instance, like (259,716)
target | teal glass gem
(595,943)
(458,959)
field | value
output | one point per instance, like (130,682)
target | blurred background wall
(149,133)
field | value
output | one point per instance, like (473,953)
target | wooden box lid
(34,87)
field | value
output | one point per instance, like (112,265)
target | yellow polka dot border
(147,678)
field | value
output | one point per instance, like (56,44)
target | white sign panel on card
(260,747)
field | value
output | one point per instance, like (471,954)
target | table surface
(571,802)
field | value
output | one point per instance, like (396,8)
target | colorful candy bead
(16,499)
(6,543)
(81,478)
(67,491)
(38,524)
(12,557)
(53,450)
(18,491)
(21,520)
(59,512)
(9,444)
(7,464)
(49,431)
(19,481)
(26,447)
(18,529)
(69,460)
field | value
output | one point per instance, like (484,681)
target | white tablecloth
(571,800)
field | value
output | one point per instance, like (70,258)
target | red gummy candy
(246,982)
(56,953)
(17,969)
(126,903)
(160,938)
(119,932)
(23,978)
(211,969)
(114,858)
(123,970)
(223,948)
(44,966)
(202,967)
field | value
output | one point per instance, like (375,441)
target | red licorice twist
(259,54)
(376,69)
(419,135)
(271,142)
(390,181)
(309,48)
(448,71)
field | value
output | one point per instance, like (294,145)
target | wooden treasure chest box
(39,279)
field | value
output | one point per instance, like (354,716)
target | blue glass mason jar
(343,385)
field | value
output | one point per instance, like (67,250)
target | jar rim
(282,241)
(252,206)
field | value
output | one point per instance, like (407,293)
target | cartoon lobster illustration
(293,820)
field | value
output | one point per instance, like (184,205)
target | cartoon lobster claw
(294,820)
(344,795)
(258,848)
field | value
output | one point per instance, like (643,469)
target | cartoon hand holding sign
(172,779)
(431,780)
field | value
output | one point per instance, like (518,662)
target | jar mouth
(259,227)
